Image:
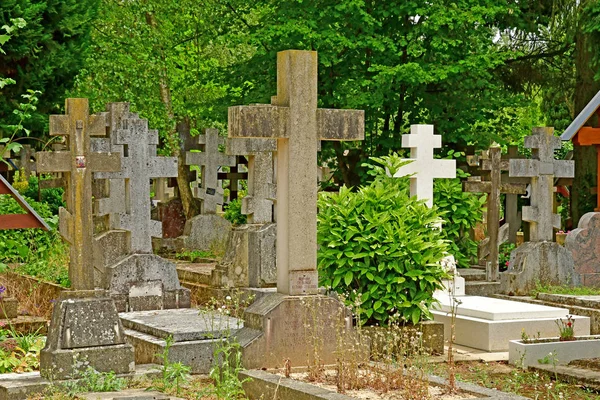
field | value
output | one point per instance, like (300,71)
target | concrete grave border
(263,384)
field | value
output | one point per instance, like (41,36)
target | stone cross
(298,125)
(130,188)
(234,176)
(209,160)
(542,169)
(493,187)
(512,214)
(78,163)
(258,203)
(424,168)
(25,160)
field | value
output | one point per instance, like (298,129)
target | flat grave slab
(492,309)
(182,324)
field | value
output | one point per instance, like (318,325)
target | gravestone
(249,260)
(584,245)
(208,231)
(85,326)
(497,235)
(137,280)
(295,121)
(423,168)
(540,261)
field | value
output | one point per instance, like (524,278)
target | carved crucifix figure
(298,125)
(542,169)
(78,163)
(494,164)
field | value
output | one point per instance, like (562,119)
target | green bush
(378,247)
(233,213)
(461,211)
(52,197)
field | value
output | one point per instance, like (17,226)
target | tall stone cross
(424,168)
(298,125)
(542,169)
(258,203)
(130,188)
(234,176)
(78,163)
(209,160)
(494,187)
(512,214)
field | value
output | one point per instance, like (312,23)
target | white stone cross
(424,168)
(258,203)
(130,188)
(298,125)
(542,169)
(209,161)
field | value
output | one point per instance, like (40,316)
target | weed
(90,380)
(173,374)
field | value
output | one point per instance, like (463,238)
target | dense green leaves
(379,247)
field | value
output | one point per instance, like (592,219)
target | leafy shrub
(52,197)
(233,213)
(379,247)
(461,211)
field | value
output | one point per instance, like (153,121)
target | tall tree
(46,54)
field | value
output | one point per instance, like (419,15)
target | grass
(564,289)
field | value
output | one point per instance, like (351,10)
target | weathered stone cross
(234,176)
(130,188)
(77,164)
(494,187)
(542,169)
(25,162)
(258,203)
(298,125)
(424,168)
(209,160)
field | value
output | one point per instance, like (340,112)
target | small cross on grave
(234,176)
(542,169)
(209,160)
(78,163)
(493,187)
(298,125)
(424,168)
(130,189)
(258,203)
(26,162)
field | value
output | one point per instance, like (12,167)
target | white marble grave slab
(491,309)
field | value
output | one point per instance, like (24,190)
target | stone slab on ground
(263,384)
(494,336)
(20,386)
(195,272)
(129,394)
(182,324)
(578,305)
(498,309)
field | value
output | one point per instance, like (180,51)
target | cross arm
(56,161)
(564,168)
(103,162)
(195,158)
(340,124)
(477,186)
(513,188)
(486,165)
(257,121)
(162,167)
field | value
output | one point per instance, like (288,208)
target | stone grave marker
(512,214)
(249,260)
(76,332)
(297,124)
(540,260)
(136,279)
(26,160)
(424,168)
(234,175)
(494,187)
(209,161)
(584,245)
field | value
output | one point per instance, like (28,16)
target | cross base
(79,338)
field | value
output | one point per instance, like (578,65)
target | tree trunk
(191,205)
(582,199)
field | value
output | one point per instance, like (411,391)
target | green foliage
(45,54)
(90,380)
(226,382)
(504,255)
(380,247)
(461,212)
(233,213)
(173,375)
(53,197)
(19,352)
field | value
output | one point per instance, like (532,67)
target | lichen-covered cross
(78,163)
